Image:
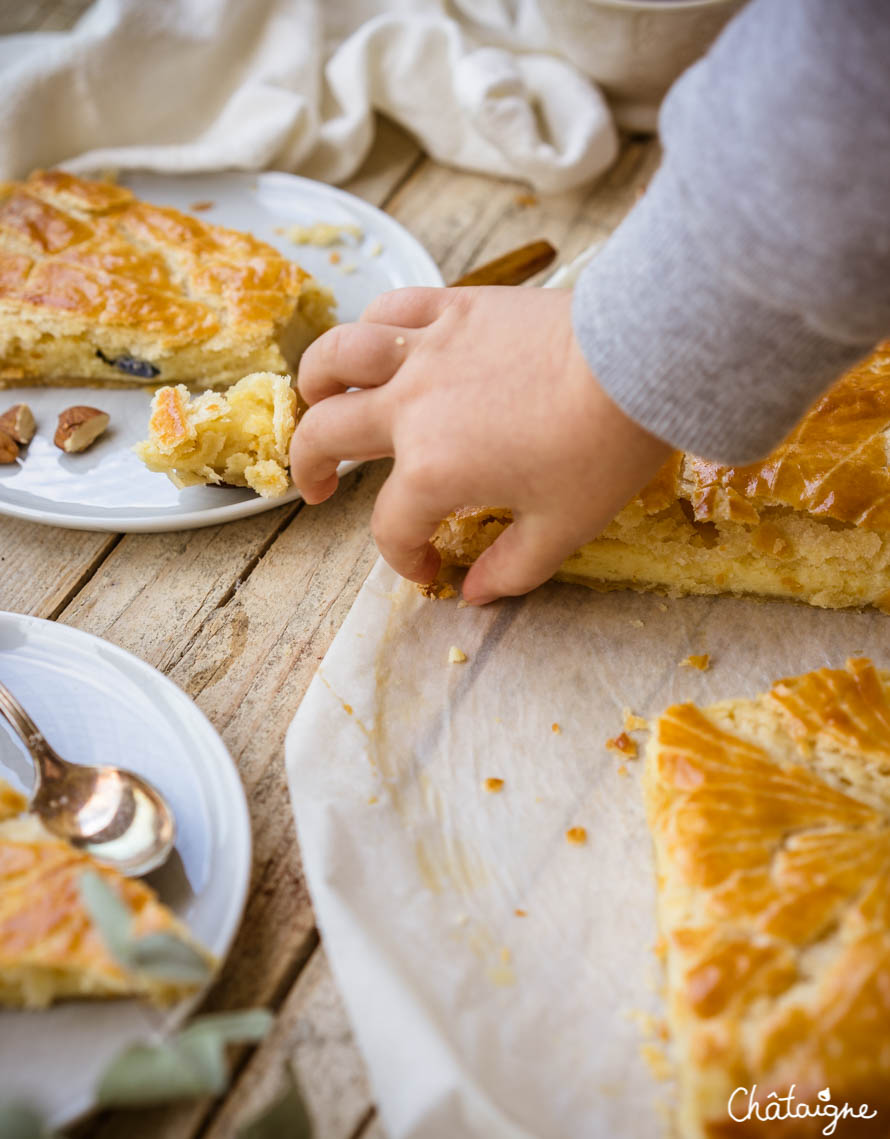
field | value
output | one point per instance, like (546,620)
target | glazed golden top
(835,464)
(92,250)
(42,916)
(772,827)
(49,946)
(11,802)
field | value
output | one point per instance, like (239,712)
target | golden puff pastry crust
(235,438)
(771,824)
(99,287)
(810,522)
(50,949)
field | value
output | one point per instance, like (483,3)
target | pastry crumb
(520,913)
(657,1061)
(637,623)
(699,661)
(624,745)
(347,708)
(632,722)
(493,784)
(372,799)
(321,233)
(456,655)
(438,590)
(527,200)
(334,257)
(662,607)
(348,268)
(505,955)
(577,835)
(556,729)
(199,207)
(660,948)
(622,769)
(463,604)
(375,249)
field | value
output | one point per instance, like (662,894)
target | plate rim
(233,512)
(231,789)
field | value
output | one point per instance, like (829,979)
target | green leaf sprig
(164,956)
(19,1121)
(190,1063)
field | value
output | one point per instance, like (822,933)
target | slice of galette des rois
(51,947)
(771,823)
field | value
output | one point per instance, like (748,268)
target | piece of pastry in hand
(810,522)
(237,438)
(50,948)
(771,823)
(98,287)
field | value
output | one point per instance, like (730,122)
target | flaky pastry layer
(238,438)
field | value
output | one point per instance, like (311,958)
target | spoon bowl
(116,816)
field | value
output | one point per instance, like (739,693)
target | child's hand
(484,398)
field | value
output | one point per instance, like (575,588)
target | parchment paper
(477,1022)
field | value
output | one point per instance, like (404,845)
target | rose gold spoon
(114,815)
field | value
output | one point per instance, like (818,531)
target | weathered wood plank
(61,15)
(393,157)
(42,568)
(475,218)
(153,593)
(248,668)
(240,617)
(313,1036)
(24,16)
(373,1129)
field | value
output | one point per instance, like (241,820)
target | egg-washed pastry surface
(238,438)
(811,521)
(771,824)
(50,949)
(98,287)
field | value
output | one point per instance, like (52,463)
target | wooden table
(240,615)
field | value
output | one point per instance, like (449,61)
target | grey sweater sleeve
(756,267)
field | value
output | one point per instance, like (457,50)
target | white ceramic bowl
(635,49)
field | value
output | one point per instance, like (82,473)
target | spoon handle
(45,758)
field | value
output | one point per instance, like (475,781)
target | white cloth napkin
(191,85)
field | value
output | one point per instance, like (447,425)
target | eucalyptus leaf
(191,1063)
(111,916)
(164,956)
(168,957)
(18,1121)
(285,1117)
(244,1026)
(157,1073)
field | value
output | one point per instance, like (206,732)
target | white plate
(97,703)
(108,488)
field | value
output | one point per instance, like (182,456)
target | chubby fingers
(354,425)
(524,556)
(358,355)
(404,519)
(410,307)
